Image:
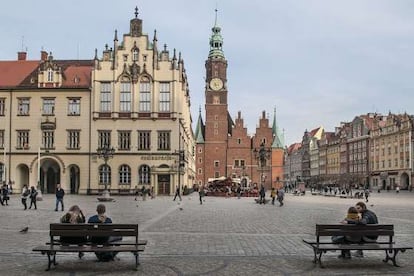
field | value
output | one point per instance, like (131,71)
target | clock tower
(217,118)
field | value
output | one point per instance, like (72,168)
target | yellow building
(133,99)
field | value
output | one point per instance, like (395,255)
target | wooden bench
(385,240)
(85,232)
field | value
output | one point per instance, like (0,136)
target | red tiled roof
(12,73)
(314,131)
(77,76)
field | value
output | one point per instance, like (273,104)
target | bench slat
(64,248)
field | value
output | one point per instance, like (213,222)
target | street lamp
(105,152)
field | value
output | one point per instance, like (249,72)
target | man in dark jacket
(367,217)
(60,193)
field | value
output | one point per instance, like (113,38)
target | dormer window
(50,75)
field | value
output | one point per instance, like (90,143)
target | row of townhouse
(372,150)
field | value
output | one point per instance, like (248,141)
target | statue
(262,155)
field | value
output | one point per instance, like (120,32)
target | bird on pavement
(180,209)
(24,230)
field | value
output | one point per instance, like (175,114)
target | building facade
(133,99)
(223,147)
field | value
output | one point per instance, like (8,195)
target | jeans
(57,203)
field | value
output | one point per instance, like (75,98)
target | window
(200,171)
(145,96)
(144,175)
(216,164)
(22,139)
(238,141)
(238,163)
(2,175)
(2,106)
(48,106)
(216,100)
(125,175)
(124,140)
(144,140)
(125,97)
(216,174)
(73,139)
(164,97)
(105,175)
(23,106)
(104,138)
(200,150)
(106,97)
(48,139)
(2,138)
(163,140)
(49,75)
(135,55)
(74,107)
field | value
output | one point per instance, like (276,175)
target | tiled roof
(23,74)
(12,73)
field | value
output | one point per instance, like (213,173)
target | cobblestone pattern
(220,237)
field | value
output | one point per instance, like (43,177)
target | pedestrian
(397,190)
(60,193)
(152,192)
(262,194)
(143,193)
(136,192)
(366,217)
(280,196)
(177,193)
(33,197)
(238,191)
(201,194)
(228,191)
(273,195)
(366,193)
(25,194)
(5,195)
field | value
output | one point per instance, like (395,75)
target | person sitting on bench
(102,218)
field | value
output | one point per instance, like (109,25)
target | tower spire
(216,40)
(277,137)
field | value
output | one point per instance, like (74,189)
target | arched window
(144,175)
(105,174)
(125,175)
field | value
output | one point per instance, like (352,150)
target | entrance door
(164,184)
(49,175)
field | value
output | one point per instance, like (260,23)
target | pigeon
(372,205)
(24,230)
(181,209)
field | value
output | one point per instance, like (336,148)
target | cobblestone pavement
(220,237)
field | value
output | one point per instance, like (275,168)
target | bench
(385,240)
(85,232)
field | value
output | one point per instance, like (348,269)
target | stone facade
(134,99)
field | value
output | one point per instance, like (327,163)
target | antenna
(78,50)
(22,43)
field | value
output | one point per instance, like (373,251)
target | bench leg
(136,254)
(51,260)
(319,259)
(393,258)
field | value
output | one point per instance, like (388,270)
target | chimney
(43,55)
(21,55)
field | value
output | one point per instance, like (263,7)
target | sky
(318,62)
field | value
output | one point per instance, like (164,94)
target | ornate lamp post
(105,152)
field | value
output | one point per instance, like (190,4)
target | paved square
(220,237)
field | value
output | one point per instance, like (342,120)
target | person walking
(366,193)
(33,197)
(262,194)
(201,194)
(280,196)
(273,195)
(238,191)
(25,194)
(60,193)
(136,192)
(177,193)
(5,195)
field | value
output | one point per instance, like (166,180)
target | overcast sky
(319,62)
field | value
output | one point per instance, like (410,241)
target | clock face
(216,84)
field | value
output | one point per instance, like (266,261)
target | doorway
(164,184)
